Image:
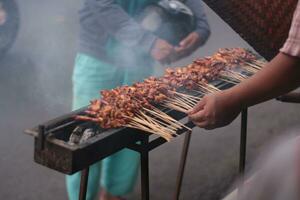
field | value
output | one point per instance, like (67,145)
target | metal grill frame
(57,154)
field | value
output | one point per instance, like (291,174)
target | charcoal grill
(51,147)
(262,23)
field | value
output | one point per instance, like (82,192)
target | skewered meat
(118,106)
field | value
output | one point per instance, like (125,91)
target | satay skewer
(184,102)
(151,126)
(178,103)
(153,120)
(165,117)
(172,106)
(228,81)
(137,126)
(256,66)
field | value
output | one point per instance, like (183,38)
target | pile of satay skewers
(135,106)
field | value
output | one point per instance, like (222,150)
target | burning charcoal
(88,133)
(76,135)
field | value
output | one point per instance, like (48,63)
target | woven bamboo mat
(264,24)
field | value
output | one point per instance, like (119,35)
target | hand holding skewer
(214,111)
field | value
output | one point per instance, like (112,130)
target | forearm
(278,77)
(202,26)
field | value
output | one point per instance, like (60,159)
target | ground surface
(35,85)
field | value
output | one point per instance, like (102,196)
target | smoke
(275,176)
(48,38)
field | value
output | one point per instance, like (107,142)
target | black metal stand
(242,156)
(145,170)
(83,184)
(146,146)
(243,142)
(182,163)
(243,150)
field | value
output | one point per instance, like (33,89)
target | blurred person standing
(115,50)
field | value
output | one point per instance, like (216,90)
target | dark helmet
(170,20)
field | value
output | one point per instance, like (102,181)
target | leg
(89,77)
(73,183)
(119,172)
(145,171)
(243,148)
(83,184)
(184,154)
(243,142)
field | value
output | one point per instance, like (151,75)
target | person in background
(115,50)
(279,175)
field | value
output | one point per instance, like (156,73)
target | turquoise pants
(117,173)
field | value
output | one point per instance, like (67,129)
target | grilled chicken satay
(118,105)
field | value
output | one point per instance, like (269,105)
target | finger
(179,49)
(199,106)
(185,41)
(209,127)
(203,124)
(198,117)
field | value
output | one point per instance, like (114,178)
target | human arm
(201,33)
(202,27)
(111,17)
(279,76)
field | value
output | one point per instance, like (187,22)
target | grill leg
(83,184)
(182,163)
(145,170)
(243,149)
(243,142)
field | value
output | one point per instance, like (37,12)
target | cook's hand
(188,45)
(162,51)
(214,111)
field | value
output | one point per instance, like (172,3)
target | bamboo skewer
(207,89)
(140,127)
(186,95)
(229,81)
(166,117)
(150,129)
(256,66)
(259,62)
(185,102)
(155,121)
(152,126)
(171,119)
(191,102)
(233,75)
(172,106)
(178,104)
(148,122)
(249,69)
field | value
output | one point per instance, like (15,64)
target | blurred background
(35,85)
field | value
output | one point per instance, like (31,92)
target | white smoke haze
(45,36)
(35,86)
(275,174)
